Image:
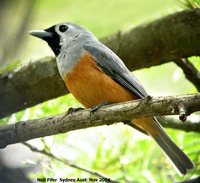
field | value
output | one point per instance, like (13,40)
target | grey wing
(113,66)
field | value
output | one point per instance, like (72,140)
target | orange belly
(91,86)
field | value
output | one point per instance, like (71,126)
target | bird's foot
(96,107)
(73,110)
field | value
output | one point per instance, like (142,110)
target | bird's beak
(42,34)
(50,37)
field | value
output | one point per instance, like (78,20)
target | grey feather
(171,150)
(112,65)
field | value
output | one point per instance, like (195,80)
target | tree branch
(68,162)
(169,38)
(26,130)
(186,126)
(30,85)
(191,73)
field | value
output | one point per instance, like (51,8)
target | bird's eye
(63,28)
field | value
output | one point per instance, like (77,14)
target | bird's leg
(96,107)
(72,110)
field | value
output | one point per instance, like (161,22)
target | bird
(96,76)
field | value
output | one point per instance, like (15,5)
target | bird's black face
(51,37)
(53,40)
(60,35)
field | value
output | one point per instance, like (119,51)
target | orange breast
(91,86)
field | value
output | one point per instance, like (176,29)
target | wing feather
(112,65)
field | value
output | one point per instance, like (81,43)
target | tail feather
(175,154)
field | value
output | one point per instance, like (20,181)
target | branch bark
(169,38)
(157,106)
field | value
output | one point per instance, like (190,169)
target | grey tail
(179,159)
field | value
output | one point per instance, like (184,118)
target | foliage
(190,4)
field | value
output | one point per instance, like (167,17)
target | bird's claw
(96,107)
(73,110)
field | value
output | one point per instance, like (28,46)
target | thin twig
(182,111)
(68,162)
(188,126)
(190,71)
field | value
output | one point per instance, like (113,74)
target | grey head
(63,35)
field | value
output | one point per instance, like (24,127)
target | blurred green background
(118,151)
